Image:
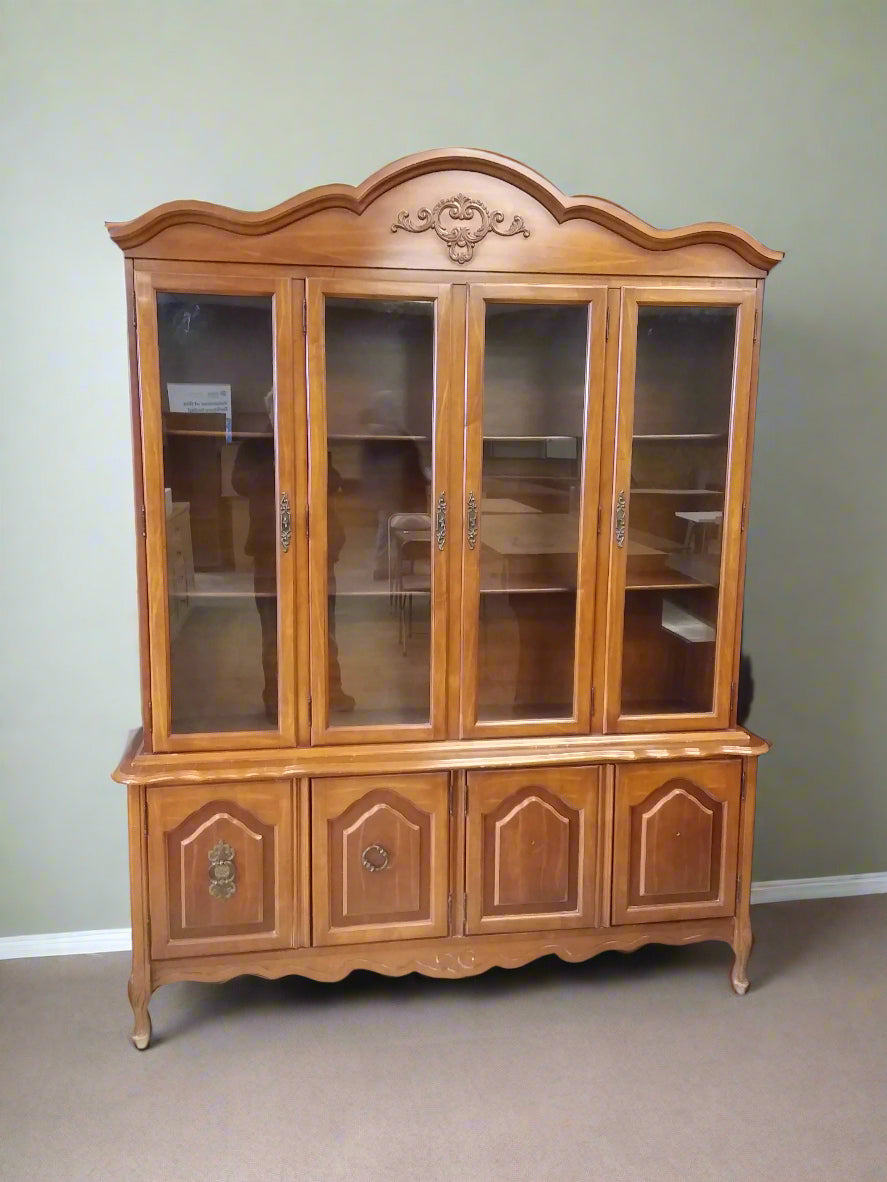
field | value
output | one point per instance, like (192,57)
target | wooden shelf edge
(452,956)
(218,767)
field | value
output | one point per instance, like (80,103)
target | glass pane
(216,378)
(534,427)
(683,395)
(380,407)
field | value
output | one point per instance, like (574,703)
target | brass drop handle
(222,883)
(441,520)
(620,519)
(472,521)
(286,522)
(375,857)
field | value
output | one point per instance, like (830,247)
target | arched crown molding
(356,199)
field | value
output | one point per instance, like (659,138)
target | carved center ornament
(461,222)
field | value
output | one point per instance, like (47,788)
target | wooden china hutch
(441,493)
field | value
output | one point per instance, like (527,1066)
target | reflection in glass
(683,396)
(534,428)
(380,405)
(216,377)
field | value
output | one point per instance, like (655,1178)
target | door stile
(441,295)
(595,345)
(743,352)
(606,636)
(457,482)
(299,510)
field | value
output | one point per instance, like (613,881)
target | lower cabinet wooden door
(379,854)
(220,868)
(532,849)
(676,838)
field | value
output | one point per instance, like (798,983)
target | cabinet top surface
(455,209)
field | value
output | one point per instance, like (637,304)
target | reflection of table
(699,526)
(505,505)
(512,536)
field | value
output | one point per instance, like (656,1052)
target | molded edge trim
(777,890)
(283,763)
(357,198)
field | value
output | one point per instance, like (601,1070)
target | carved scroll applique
(468,221)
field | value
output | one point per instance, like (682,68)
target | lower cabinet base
(445,873)
(464,956)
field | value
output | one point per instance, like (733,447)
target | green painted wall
(773,116)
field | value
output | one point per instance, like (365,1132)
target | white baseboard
(66,943)
(779,890)
(835,886)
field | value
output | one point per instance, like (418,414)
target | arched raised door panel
(379,858)
(220,869)
(532,842)
(675,841)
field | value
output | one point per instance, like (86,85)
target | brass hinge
(304,317)
(146,823)
(600,518)
(742,785)
(732,696)
(307,527)
(742,518)
(148,926)
(607,329)
(144,524)
(450,798)
(755,333)
(309,710)
(738,887)
(592,700)
(464,911)
(449,912)
(465,799)
(133,314)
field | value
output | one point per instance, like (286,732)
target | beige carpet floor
(643,1068)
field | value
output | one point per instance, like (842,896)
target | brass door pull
(620,519)
(222,884)
(472,521)
(374,858)
(286,522)
(441,520)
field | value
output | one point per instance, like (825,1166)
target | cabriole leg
(139,997)
(742,946)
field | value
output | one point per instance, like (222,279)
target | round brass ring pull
(375,857)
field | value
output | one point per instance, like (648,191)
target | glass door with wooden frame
(533,406)
(216,365)
(379,391)
(684,374)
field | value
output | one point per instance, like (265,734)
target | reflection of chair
(409,541)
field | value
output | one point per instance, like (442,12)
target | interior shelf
(684,624)
(693,437)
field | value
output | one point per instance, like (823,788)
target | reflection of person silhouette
(393,481)
(253,478)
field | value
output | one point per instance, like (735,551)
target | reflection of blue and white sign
(197,398)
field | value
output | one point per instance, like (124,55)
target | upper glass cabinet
(377,365)
(218,512)
(683,401)
(533,404)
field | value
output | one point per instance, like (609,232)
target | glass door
(534,396)
(216,372)
(378,390)
(684,379)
